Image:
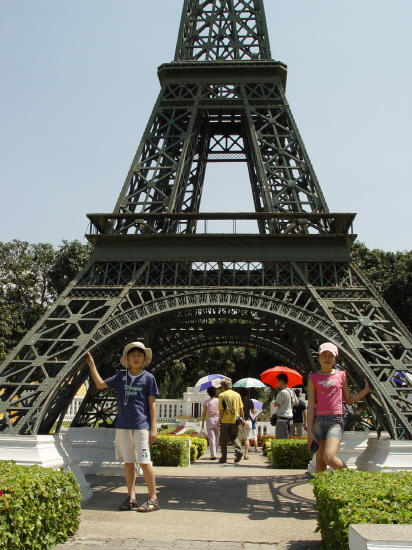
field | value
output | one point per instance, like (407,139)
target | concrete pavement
(208,506)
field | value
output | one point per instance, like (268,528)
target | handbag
(239,420)
(273,419)
(202,433)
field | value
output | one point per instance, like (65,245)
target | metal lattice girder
(180,306)
(221,30)
(192,125)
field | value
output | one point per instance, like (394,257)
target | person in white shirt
(285,400)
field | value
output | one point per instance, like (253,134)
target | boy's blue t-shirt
(135,415)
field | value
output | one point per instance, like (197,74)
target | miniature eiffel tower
(156,273)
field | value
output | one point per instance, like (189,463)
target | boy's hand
(89,360)
(152,435)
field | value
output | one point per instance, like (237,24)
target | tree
(391,274)
(232,361)
(69,259)
(31,278)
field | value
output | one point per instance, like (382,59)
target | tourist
(211,416)
(246,429)
(299,415)
(326,389)
(230,409)
(285,400)
(254,436)
(136,392)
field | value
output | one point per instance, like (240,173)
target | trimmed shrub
(289,454)
(39,507)
(198,446)
(170,451)
(266,446)
(263,438)
(348,496)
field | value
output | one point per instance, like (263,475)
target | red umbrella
(270,376)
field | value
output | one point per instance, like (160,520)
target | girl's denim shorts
(328,425)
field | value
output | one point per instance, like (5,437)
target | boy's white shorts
(133,446)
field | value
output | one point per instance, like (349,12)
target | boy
(136,392)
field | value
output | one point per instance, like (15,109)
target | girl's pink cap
(328,346)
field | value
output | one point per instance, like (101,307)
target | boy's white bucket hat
(328,346)
(148,353)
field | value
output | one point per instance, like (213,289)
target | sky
(79,81)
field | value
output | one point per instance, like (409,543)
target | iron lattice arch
(154,274)
(287,316)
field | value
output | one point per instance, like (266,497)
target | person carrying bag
(285,400)
(230,408)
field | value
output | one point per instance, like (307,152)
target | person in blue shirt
(136,392)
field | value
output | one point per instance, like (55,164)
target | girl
(326,389)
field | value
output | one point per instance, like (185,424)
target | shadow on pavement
(257,497)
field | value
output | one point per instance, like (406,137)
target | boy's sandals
(128,504)
(149,506)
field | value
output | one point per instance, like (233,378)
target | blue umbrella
(209,380)
(258,404)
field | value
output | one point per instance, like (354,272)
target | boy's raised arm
(97,379)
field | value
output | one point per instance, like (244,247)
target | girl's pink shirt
(328,392)
(212,412)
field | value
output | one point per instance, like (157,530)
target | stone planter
(47,451)
(352,445)
(385,454)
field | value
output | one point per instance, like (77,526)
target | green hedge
(200,446)
(266,446)
(263,439)
(170,451)
(289,454)
(197,448)
(39,507)
(348,496)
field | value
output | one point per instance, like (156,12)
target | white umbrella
(249,383)
(258,405)
(209,380)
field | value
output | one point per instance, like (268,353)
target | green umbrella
(249,383)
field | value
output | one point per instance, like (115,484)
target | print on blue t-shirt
(135,414)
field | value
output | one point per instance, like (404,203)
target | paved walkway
(208,506)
